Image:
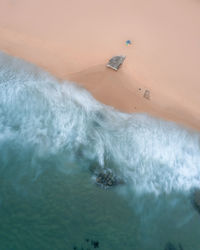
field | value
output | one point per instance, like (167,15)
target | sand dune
(75,39)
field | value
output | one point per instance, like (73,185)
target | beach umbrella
(128,42)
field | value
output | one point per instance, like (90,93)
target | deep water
(52,134)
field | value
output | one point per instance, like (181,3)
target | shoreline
(164,66)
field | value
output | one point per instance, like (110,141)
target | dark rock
(87,240)
(106,179)
(95,243)
(115,62)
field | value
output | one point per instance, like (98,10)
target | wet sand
(74,41)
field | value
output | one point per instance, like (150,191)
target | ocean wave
(46,123)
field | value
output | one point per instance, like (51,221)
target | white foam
(51,119)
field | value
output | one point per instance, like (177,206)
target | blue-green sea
(53,133)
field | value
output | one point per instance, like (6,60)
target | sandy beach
(76,174)
(74,40)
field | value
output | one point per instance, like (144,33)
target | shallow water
(52,134)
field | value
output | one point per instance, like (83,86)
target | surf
(47,123)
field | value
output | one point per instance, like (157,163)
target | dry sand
(75,39)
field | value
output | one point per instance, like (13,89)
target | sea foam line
(47,119)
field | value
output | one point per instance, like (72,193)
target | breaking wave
(44,123)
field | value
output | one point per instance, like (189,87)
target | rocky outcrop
(105,177)
(108,179)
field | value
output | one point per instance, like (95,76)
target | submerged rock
(115,62)
(105,177)
(108,179)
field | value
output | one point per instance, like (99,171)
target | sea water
(52,133)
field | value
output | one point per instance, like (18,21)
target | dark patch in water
(170,246)
(98,119)
(96,124)
(180,247)
(95,243)
(195,199)
(100,116)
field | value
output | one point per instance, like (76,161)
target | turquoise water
(52,134)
